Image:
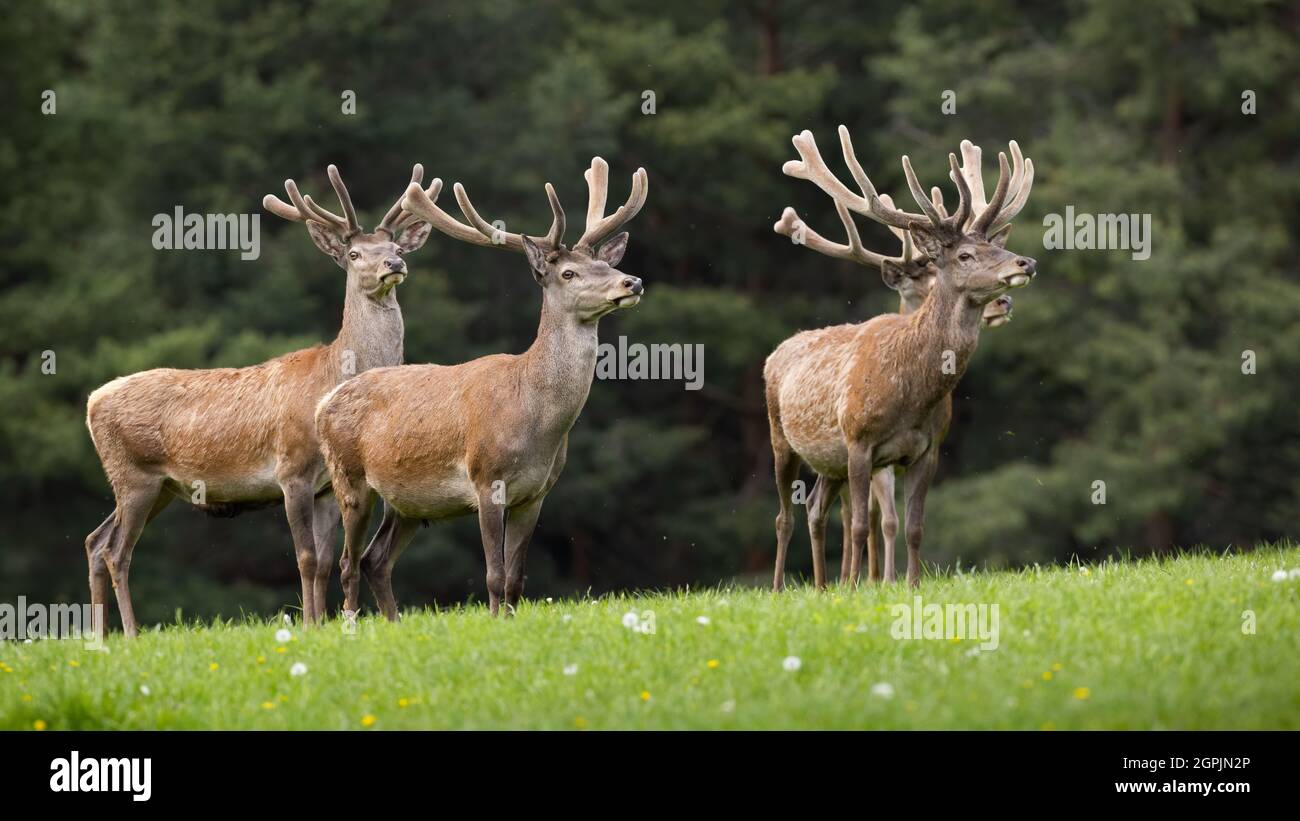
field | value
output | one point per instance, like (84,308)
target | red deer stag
(913,287)
(232,439)
(488,436)
(854,400)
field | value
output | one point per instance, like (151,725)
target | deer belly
(823,451)
(439,495)
(901,449)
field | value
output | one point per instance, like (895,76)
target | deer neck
(944,330)
(559,367)
(371,335)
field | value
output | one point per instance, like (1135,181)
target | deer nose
(634,285)
(395,263)
(1027,265)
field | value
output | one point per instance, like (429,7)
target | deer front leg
(819,507)
(916,484)
(860,462)
(846,532)
(882,485)
(492,527)
(519,532)
(299,508)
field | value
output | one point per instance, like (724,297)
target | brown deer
(233,439)
(854,401)
(488,436)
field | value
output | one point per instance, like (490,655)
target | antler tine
(341,191)
(496,237)
(790,225)
(963,211)
(1022,187)
(918,194)
(972,170)
(396,218)
(555,236)
(598,189)
(936,197)
(311,210)
(422,203)
(982,222)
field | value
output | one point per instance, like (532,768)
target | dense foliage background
(1124,371)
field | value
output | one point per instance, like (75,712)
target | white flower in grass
(728,706)
(882,690)
(283,635)
(1279,576)
(704,620)
(566,618)
(570,669)
(631,620)
(288,619)
(144,689)
(549,600)
(298,669)
(791,664)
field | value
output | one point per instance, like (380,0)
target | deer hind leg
(356,501)
(519,532)
(819,507)
(860,463)
(786,463)
(394,534)
(96,558)
(882,485)
(324,526)
(846,531)
(916,484)
(138,501)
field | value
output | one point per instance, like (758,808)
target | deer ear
(927,240)
(328,241)
(536,258)
(892,273)
(611,253)
(1000,238)
(414,237)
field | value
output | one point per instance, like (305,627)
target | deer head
(582,280)
(373,260)
(964,251)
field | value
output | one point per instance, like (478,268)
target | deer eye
(568,274)
(964,257)
(354,255)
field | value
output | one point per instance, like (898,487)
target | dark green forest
(1170,379)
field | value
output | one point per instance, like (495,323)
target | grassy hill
(1150,644)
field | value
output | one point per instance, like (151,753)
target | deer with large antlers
(233,439)
(487,437)
(854,401)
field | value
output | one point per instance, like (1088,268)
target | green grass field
(1134,645)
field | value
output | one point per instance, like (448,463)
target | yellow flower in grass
(73,663)
(1190,582)
(39,724)
(214,667)
(268,705)
(27,696)
(261,659)
(368,720)
(713,664)
(580,723)
(1047,675)
(281,649)
(1057,666)
(1082,693)
(645,695)
(403,703)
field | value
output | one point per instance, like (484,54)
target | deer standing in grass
(488,436)
(233,439)
(853,401)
